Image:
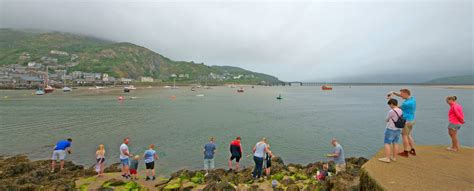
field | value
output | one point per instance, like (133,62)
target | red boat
(326,87)
(48,89)
(241,90)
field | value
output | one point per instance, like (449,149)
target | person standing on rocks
(100,158)
(268,161)
(124,154)
(209,151)
(259,151)
(338,156)
(392,133)
(408,107)
(235,153)
(456,119)
(61,149)
(150,156)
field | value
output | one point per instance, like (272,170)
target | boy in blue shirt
(150,156)
(59,152)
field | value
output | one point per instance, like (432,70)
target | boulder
(112,168)
(114,182)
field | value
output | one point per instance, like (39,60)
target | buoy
(120,98)
(279,97)
(173,97)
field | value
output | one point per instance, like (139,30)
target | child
(456,119)
(150,156)
(134,167)
(322,174)
(100,157)
(392,132)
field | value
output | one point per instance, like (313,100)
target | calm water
(299,127)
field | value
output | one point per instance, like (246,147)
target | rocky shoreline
(19,173)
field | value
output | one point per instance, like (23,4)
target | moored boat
(66,89)
(240,90)
(39,92)
(326,87)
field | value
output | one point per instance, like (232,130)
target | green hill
(118,59)
(454,80)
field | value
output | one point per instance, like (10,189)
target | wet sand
(434,168)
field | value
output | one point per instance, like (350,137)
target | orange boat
(326,87)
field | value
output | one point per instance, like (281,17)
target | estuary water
(299,127)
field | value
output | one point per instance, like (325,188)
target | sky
(320,40)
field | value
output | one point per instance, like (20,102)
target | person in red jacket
(456,119)
(235,153)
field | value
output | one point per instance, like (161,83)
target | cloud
(303,40)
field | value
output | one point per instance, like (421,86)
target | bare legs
(391,153)
(53,165)
(454,139)
(236,165)
(267,171)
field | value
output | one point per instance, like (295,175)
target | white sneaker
(393,159)
(384,160)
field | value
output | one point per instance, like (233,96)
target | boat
(167,87)
(326,87)
(97,88)
(131,87)
(126,90)
(279,97)
(240,90)
(200,95)
(66,89)
(47,87)
(39,92)
(193,89)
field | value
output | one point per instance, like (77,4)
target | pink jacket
(455,114)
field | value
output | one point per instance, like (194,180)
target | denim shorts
(391,136)
(454,126)
(124,162)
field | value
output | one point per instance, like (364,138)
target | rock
(212,177)
(214,186)
(287,181)
(183,174)
(188,186)
(112,168)
(114,182)
(174,184)
(293,187)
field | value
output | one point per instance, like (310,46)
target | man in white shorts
(61,149)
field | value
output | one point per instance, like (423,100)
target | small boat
(126,90)
(48,89)
(167,87)
(200,95)
(253,87)
(241,90)
(279,97)
(67,89)
(39,92)
(131,87)
(149,87)
(326,87)
(193,89)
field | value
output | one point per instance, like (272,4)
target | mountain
(453,80)
(118,59)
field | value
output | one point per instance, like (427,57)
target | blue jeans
(257,171)
(391,136)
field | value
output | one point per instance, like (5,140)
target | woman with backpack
(456,119)
(395,123)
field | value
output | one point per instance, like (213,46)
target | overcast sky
(377,41)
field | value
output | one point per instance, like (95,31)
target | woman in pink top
(456,119)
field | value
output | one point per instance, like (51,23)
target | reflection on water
(299,127)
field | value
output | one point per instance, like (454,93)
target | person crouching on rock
(456,119)
(61,149)
(392,132)
(235,153)
(338,156)
(259,151)
(134,167)
(323,173)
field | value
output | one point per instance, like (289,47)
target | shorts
(455,127)
(391,136)
(59,154)
(209,164)
(124,162)
(408,127)
(237,158)
(100,160)
(340,168)
(133,171)
(268,164)
(150,165)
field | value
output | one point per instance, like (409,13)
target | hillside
(118,59)
(454,80)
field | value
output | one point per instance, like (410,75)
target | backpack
(400,123)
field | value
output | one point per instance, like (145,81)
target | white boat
(167,87)
(66,89)
(39,92)
(131,87)
(200,95)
